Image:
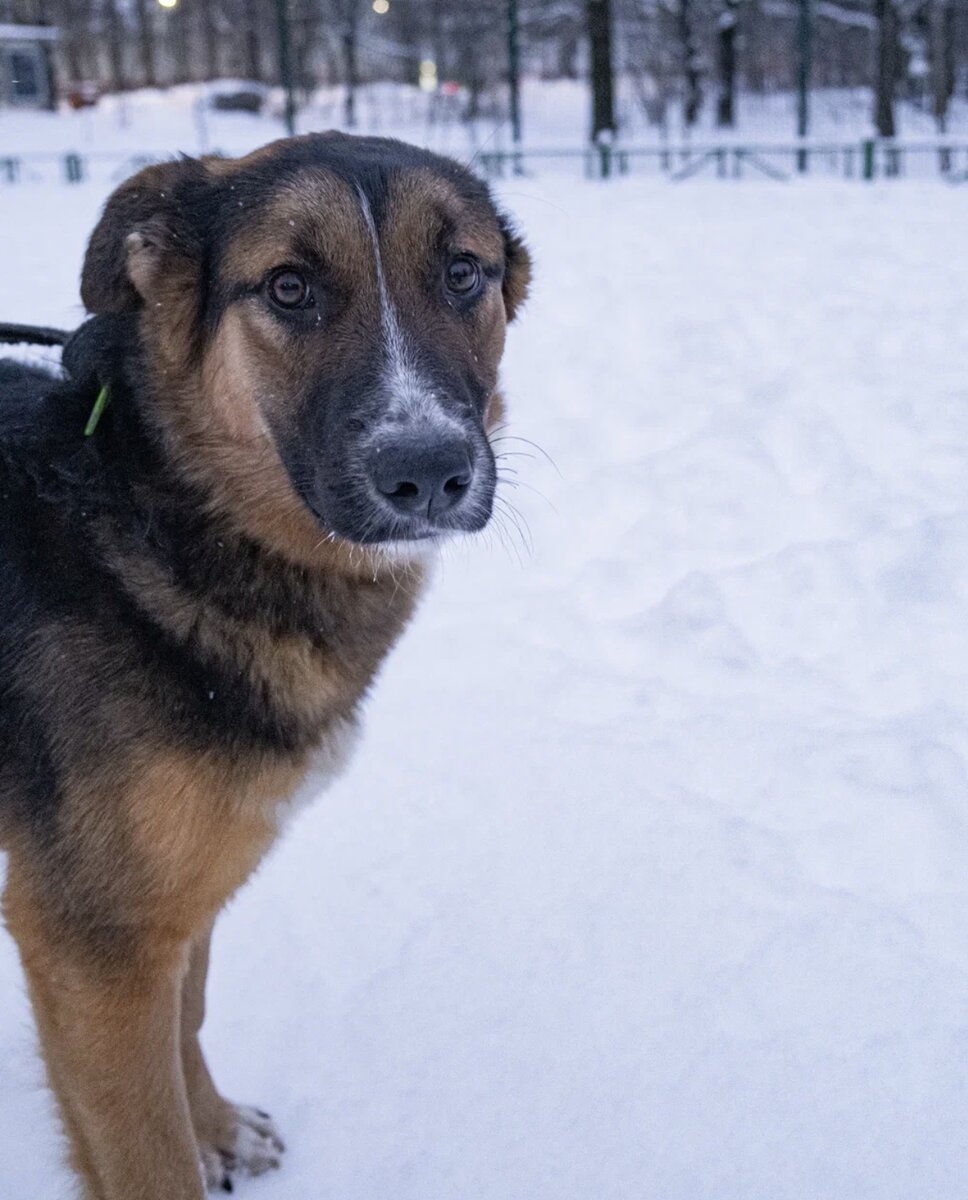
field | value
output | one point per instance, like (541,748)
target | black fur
(67,501)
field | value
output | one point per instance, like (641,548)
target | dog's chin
(397,541)
(414,550)
(401,536)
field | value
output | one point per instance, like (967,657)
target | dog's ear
(517,269)
(148,230)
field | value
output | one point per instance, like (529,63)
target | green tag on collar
(97,412)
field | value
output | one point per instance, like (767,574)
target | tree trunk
(253,59)
(209,31)
(67,22)
(602,68)
(726,61)
(567,55)
(178,33)
(887,58)
(304,23)
(115,40)
(753,49)
(146,42)
(350,75)
(691,63)
(942,60)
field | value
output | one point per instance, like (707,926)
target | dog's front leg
(109,1029)
(230,1137)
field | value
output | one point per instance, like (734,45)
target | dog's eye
(288,289)
(463,276)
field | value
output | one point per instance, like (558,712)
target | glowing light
(381,6)
(428,75)
(168,3)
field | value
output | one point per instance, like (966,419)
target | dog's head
(322,324)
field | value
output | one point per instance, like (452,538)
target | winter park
(646,879)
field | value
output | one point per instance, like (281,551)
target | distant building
(26,73)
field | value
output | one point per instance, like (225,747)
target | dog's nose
(419,476)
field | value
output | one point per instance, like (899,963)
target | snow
(648,877)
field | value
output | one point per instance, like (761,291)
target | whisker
(518,521)
(527,441)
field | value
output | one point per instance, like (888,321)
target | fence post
(868,153)
(604,159)
(73,168)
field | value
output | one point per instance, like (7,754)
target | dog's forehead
(324,214)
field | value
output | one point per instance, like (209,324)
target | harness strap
(31,335)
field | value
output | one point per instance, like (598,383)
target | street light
(168,3)
(381,6)
(428,75)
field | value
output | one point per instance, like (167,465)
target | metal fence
(107,167)
(869,159)
(866,160)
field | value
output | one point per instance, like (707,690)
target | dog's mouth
(371,521)
(406,490)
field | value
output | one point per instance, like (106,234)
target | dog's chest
(324,766)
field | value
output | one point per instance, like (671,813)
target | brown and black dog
(300,354)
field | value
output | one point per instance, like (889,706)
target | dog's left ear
(147,232)
(517,269)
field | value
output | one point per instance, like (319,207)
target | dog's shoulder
(43,413)
(29,412)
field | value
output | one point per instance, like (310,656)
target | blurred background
(648,880)
(643,77)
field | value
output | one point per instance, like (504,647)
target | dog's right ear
(148,231)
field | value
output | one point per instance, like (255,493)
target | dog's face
(323,323)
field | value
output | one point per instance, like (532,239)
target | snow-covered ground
(649,879)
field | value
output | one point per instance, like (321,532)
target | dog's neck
(209,590)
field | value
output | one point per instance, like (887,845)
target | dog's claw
(247,1144)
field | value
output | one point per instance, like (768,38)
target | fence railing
(865,160)
(72,167)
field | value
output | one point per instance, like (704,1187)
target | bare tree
(71,39)
(115,39)
(727,29)
(144,11)
(252,56)
(602,68)
(691,60)
(942,54)
(664,48)
(886,16)
(208,21)
(350,34)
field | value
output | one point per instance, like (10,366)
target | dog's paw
(245,1143)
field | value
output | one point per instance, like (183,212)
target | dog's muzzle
(422,477)
(424,482)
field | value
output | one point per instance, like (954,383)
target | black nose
(422,477)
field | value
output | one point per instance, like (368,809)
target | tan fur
(128,1124)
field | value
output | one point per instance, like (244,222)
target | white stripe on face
(411,398)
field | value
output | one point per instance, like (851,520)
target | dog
(213,529)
